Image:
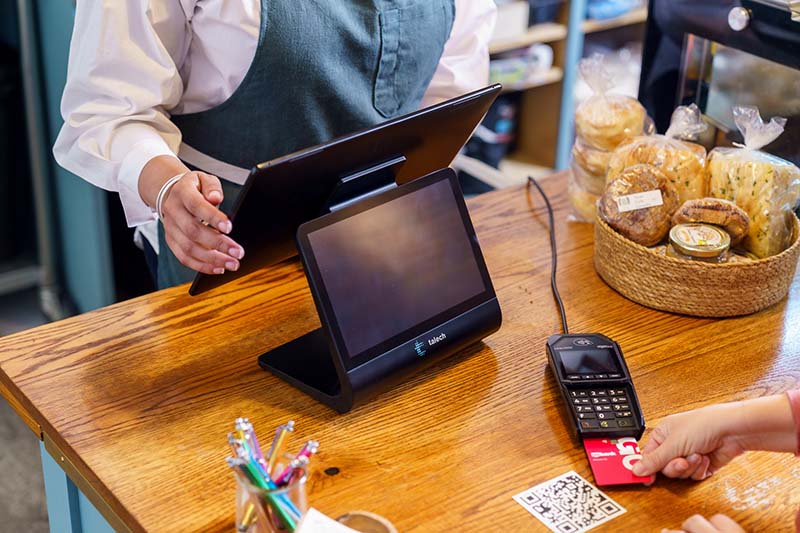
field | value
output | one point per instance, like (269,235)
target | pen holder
(263,511)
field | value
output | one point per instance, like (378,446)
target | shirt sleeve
(122,80)
(794,401)
(464,66)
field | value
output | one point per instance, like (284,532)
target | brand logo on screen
(438,338)
(419,347)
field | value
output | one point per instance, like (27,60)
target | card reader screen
(596,361)
(396,265)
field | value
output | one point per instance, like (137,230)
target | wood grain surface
(139,396)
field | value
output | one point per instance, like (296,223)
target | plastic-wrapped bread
(764,186)
(605,120)
(683,162)
(639,204)
(584,203)
(591,160)
(593,183)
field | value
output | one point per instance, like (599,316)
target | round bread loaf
(592,183)
(646,226)
(722,213)
(592,160)
(584,203)
(604,122)
(684,163)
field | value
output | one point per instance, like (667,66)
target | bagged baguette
(766,187)
(683,162)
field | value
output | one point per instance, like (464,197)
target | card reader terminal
(596,386)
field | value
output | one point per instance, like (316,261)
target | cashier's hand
(716,524)
(694,444)
(195,229)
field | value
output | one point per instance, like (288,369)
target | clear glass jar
(699,242)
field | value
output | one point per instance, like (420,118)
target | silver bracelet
(162,194)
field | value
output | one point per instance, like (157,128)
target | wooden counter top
(138,397)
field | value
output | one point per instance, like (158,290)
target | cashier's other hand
(694,444)
(195,229)
(716,524)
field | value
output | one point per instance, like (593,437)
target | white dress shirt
(133,63)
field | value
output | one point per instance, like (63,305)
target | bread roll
(584,203)
(591,160)
(722,213)
(604,122)
(684,163)
(647,226)
(592,183)
(765,187)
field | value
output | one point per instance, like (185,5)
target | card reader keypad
(602,408)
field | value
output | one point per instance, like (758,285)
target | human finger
(702,471)
(188,192)
(198,258)
(211,188)
(655,456)
(726,524)
(203,235)
(698,524)
(676,468)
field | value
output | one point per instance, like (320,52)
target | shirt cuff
(137,212)
(794,401)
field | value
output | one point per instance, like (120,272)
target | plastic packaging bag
(683,162)
(766,187)
(605,120)
(602,122)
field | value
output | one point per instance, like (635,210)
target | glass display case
(719,54)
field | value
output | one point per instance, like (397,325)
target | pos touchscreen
(392,268)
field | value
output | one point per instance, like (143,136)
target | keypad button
(619,392)
(605,416)
(602,376)
(625,423)
(586,416)
(580,401)
(573,376)
(602,408)
(598,401)
(602,393)
(584,408)
(578,393)
(589,424)
(592,393)
(608,423)
(614,376)
(624,414)
(587,376)
(612,392)
(619,399)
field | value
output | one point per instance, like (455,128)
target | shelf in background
(637,16)
(546,32)
(554,75)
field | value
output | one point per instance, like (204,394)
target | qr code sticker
(569,504)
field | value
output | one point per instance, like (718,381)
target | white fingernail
(219,271)
(237,253)
(225,226)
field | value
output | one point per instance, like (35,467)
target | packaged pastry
(591,160)
(764,186)
(593,183)
(683,162)
(722,213)
(603,121)
(639,204)
(584,203)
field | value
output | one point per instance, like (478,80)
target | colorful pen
(277,444)
(285,476)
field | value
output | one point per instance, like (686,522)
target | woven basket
(692,287)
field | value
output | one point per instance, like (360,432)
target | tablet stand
(312,362)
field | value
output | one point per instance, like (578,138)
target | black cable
(554,255)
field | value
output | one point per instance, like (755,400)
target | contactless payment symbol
(419,347)
(582,342)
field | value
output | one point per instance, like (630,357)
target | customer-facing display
(394,270)
(399,282)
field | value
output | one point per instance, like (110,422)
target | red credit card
(612,460)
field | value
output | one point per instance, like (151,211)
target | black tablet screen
(394,266)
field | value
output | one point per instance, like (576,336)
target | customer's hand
(716,524)
(194,228)
(693,444)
